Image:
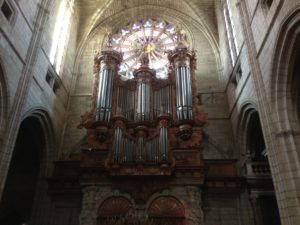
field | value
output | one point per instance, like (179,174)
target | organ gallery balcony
(258,176)
(257,169)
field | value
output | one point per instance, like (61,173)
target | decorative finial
(162,109)
(109,38)
(144,60)
(181,39)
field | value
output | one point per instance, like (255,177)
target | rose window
(151,37)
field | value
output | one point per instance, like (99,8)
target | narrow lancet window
(61,34)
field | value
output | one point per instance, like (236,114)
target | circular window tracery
(151,37)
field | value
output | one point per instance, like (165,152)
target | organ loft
(142,160)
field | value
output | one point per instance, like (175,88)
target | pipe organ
(140,120)
(143,141)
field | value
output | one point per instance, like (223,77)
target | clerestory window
(61,34)
(230,32)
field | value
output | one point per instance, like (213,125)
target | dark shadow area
(20,187)
(255,139)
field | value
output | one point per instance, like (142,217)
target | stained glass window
(149,36)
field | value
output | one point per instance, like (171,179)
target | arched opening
(166,211)
(20,188)
(115,210)
(285,82)
(284,93)
(258,175)
(255,140)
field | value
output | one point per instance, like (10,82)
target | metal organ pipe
(117,145)
(163,143)
(129,150)
(104,97)
(183,93)
(125,100)
(106,64)
(108,102)
(140,149)
(143,109)
(147,102)
(163,97)
(152,150)
(183,85)
(189,86)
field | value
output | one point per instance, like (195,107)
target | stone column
(283,159)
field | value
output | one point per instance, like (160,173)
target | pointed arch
(284,93)
(247,110)
(285,156)
(30,163)
(45,121)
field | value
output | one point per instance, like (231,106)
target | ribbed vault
(196,18)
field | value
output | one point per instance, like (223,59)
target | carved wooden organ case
(148,126)
(144,136)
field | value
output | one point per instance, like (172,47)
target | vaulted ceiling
(93,13)
(197,17)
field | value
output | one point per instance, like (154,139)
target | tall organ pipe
(183,93)
(106,65)
(104,98)
(143,107)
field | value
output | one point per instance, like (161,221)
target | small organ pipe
(125,101)
(117,144)
(162,97)
(163,139)
(140,148)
